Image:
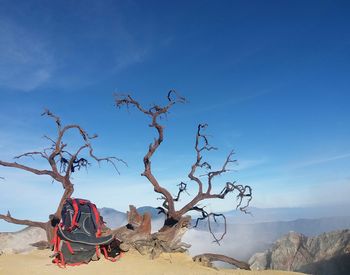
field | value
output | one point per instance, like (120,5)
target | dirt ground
(38,262)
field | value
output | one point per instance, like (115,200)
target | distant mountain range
(112,217)
(271,230)
(286,214)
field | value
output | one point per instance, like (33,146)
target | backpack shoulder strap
(75,205)
(96,218)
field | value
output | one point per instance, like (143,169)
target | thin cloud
(25,61)
(249,163)
(229,102)
(236,100)
(29,59)
(129,58)
(321,160)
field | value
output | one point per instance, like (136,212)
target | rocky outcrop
(20,242)
(328,253)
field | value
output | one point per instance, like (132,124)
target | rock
(124,247)
(41,245)
(20,242)
(290,252)
(259,261)
(328,253)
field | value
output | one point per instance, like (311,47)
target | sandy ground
(38,262)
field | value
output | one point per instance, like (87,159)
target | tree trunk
(137,234)
(44,225)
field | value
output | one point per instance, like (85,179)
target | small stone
(124,247)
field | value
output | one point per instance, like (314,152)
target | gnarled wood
(138,227)
(10,219)
(137,234)
(140,223)
(208,258)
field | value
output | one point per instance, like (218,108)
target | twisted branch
(155,112)
(206,216)
(10,219)
(230,187)
(182,188)
(57,155)
(245,191)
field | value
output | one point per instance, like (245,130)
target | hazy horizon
(257,215)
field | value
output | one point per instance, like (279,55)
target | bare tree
(62,164)
(177,221)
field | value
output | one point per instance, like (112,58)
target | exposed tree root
(208,258)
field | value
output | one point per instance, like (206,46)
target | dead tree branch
(154,112)
(202,144)
(208,258)
(10,219)
(61,162)
(206,216)
(182,188)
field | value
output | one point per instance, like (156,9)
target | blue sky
(271,78)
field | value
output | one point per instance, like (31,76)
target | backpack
(77,238)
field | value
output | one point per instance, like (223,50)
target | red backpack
(77,237)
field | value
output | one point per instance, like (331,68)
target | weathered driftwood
(137,234)
(208,258)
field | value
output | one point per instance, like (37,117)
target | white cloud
(249,163)
(31,58)
(234,100)
(25,60)
(129,58)
(321,160)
